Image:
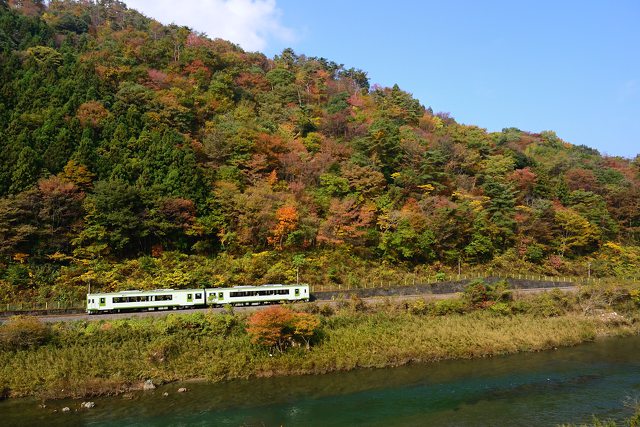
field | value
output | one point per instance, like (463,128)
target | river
(529,389)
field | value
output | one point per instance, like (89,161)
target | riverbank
(81,359)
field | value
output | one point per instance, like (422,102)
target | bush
(547,305)
(21,332)
(482,295)
(419,306)
(500,308)
(520,307)
(449,306)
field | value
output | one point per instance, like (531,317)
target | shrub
(501,291)
(500,308)
(356,303)
(449,306)
(546,305)
(477,293)
(21,332)
(326,310)
(419,306)
(520,307)
(482,295)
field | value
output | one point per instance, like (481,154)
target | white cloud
(249,23)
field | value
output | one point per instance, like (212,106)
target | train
(167,299)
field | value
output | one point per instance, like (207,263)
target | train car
(248,295)
(145,300)
(162,299)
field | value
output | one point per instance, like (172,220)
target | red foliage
(197,67)
(158,79)
(347,222)
(581,179)
(180,212)
(252,81)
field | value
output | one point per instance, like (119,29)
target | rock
(87,405)
(613,318)
(182,389)
(148,385)
(66,409)
(165,394)
(42,405)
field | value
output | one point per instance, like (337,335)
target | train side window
(198,296)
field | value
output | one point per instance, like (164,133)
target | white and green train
(163,299)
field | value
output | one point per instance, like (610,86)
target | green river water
(529,389)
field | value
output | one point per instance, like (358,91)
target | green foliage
(449,306)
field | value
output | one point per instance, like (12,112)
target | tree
(575,233)
(271,327)
(305,327)
(92,114)
(287,222)
(279,327)
(60,211)
(114,217)
(26,170)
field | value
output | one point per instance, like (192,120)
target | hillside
(134,154)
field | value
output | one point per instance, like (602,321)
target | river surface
(532,389)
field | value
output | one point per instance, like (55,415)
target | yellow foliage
(20,257)
(427,188)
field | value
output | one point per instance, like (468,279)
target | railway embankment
(111,356)
(391,290)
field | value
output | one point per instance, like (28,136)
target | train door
(189,297)
(297,293)
(103,302)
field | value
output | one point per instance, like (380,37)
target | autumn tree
(279,327)
(287,222)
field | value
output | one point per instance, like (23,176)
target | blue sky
(568,66)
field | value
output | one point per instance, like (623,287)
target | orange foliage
(287,217)
(279,327)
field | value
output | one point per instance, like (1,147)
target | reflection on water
(566,385)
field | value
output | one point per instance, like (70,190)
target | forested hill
(131,149)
